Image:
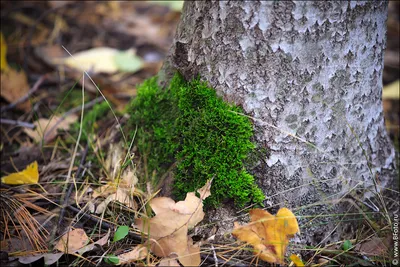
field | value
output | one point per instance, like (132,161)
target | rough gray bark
(309,73)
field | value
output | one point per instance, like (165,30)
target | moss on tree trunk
(189,124)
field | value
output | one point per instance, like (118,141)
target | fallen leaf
(50,258)
(127,61)
(122,195)
(111,259)
(167,232)
(104,60)
(46,129)
(296,260)
(205,191)
(268,234)
(100,59)
(14,85)
(28,176)
(347,245)
(374,247)
(169,262)
(391,91)
(52,55)
(121,232)
(101,242)
(191,257)
(4,65)
(173,5)
(72,241)
(168,229)
(15,244)
(121,188)
(138,253)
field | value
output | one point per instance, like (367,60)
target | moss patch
(189,124)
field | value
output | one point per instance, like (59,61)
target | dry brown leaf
(268,234)
(16,244)
(169,262)
(52,55)
(72,241)
(50,258)
(205,191)
(101,242)
(191,257)
(46,129)
(138,253)
(374,247)
(162,204)
(168,229)
(192,206)
(113,191)
(121,188)
(14,85)
(121,195)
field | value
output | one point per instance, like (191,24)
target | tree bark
(309,74)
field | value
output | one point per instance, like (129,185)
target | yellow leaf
(4,65)
(268,234)
(391,91)
(99,59)
(104,60)
(296,260)
(28,176)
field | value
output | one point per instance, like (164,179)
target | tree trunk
(309,74)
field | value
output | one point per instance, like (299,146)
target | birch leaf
(28,176)
(100,59)
(127,61)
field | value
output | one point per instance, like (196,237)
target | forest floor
(69,190)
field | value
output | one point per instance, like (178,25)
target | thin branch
(18,123)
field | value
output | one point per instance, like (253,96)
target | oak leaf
(268,234)
(168,229)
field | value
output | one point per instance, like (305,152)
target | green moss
(189,124)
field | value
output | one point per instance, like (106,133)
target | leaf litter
(135,32)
